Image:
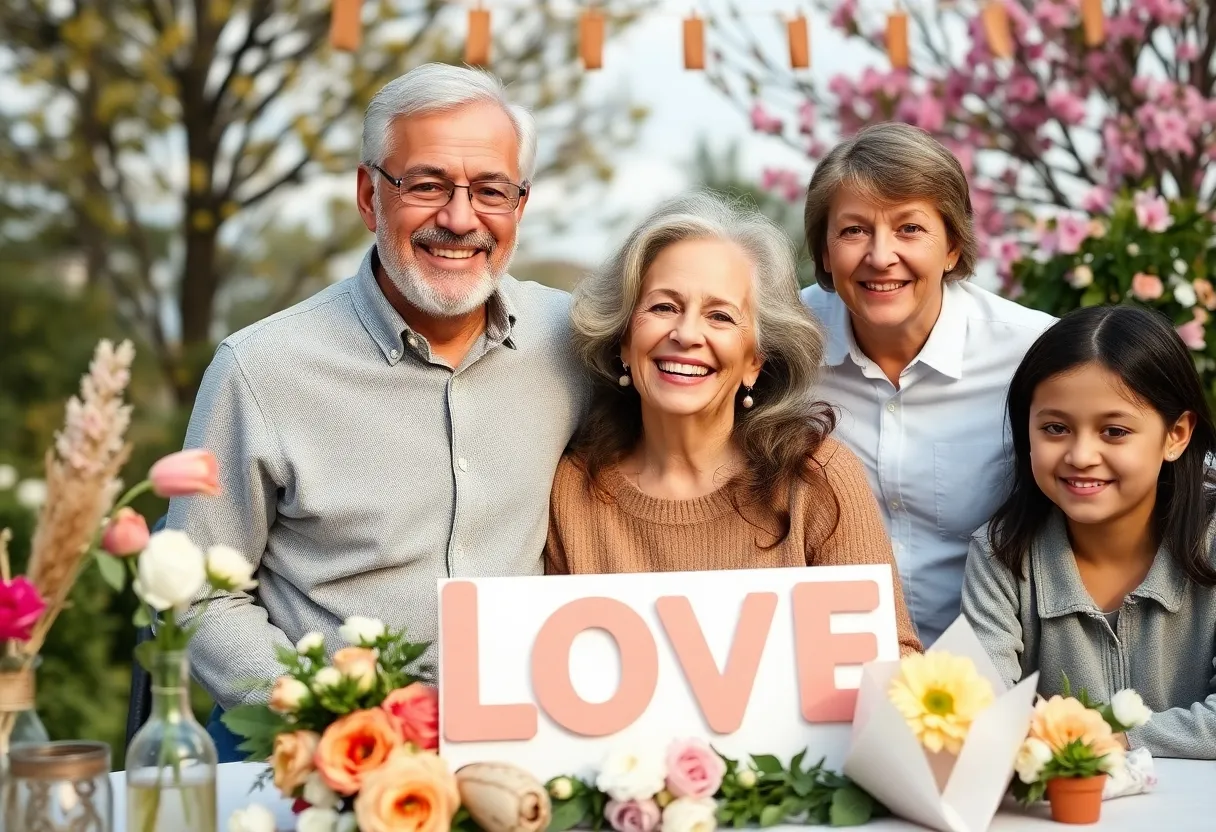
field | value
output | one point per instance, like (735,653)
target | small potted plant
(1071,749)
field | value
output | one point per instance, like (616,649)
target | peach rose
(415,711)
(287,695)
(353,746)
(1058,721)
(358,663)
(292,760)
(411,792)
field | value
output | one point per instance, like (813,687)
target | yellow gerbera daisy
(940,694)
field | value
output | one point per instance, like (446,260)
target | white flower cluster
(172,570)
(641,774)
(257,818)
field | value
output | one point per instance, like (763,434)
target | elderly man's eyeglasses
(490,196)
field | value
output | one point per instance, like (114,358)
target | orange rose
(415,711)
(1058,721)
(353,746)
(292,760)
(411,792)
(358,663)
(287,695)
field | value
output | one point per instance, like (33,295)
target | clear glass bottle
(171,763)
(17,703)
(59,785)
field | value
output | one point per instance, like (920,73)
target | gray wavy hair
(786,424)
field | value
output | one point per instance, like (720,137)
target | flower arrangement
(692,788)
(1138,248)
(1075,739)
(940,695)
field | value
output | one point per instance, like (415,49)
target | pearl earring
(747,399)
(624,380)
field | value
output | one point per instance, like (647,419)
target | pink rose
(1147,286)
(1192,334)
(693,769)
(126,533)
(20,608)
(414,709)
(632,815)
(185,474)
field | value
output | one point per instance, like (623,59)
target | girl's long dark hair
(1140,347)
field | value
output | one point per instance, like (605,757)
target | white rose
(228,569)
(318,794)
(632,775)
(1081,277)
(171,571)
(1180,266)
(1129,709)
(359,630)
(31,494)
(1184,293)
(253,818)
(686,814)
(1032,756)
(310,642)
(327,677)
(8,477)
(317,820)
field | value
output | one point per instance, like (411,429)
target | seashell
(502,797)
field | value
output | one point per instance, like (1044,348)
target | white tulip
(171,571)
(318,794)
(687,814)
(8,477)
(317,820)
(228,569)
(31,494)
(1129,709)
(253,818)
(360,630)
(1032,756)
(327,677)
(310,642)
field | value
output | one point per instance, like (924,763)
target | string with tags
(346,32)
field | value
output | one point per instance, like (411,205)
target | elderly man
(404,424)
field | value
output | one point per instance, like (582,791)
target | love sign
(553,672)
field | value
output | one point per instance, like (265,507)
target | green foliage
(793,794)
(1118,249)
(584,808)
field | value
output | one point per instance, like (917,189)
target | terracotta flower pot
(1076,799)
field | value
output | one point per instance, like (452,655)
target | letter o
(551,667)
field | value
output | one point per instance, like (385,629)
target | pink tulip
(126,533)
(185,474)
(20,608)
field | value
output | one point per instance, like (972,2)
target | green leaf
(1094,295)
(851,807)
(771,816)
(112,571)
(141,617)
(568,814)
(145,654)
(254,721)
(767,763)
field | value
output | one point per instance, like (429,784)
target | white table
(1183,801)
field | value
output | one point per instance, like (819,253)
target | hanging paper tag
(591,39)
(346,25)
(800,43)
(996,29)
(477,47)
(897,39)
(1093,22)
(694,43)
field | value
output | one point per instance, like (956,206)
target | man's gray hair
(437,88)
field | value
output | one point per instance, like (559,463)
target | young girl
(1100,563)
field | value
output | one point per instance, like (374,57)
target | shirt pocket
(969,483)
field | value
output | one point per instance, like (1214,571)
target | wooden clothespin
(591,38)
(800,42)
(1093,22)
(694,42)
(477,47)
(897,38)
(346,25)
(995,18)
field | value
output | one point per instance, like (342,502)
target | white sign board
(554,672)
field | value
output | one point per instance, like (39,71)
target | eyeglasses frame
(398,180)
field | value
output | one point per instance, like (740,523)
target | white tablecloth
(1183,801)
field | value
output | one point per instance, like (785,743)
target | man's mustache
(436,237)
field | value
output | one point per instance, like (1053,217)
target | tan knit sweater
(631,531)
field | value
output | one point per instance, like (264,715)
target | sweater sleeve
(991,605)
(859,536)
(556,562)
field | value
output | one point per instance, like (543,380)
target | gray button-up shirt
(1162,643)
(357,468)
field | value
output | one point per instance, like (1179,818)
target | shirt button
(891,407)
(895,505)
(393,353)
(464,466)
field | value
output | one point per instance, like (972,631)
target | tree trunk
(199,285)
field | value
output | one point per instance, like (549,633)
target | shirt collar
(1058,586)
(943,351)
(394,336)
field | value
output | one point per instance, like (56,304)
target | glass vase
(56,786)
(19,722)
(171,764)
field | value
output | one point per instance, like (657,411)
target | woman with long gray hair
(704,447)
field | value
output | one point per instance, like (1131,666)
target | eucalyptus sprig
(767,793)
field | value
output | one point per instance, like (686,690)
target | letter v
(722,697)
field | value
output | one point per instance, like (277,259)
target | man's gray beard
(417,291)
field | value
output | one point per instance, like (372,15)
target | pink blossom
(1066,106)
(126,533)
(1152,212)
(1071,232)
(693,769)
(632,815)
(1146,287)
(1187,51)
(186,473)
(1192,334)
(806,117)
(20,608)
(763,122)
(1022,88)
(845,17)
(1097,200)
(1052,14)
(1165,12)
(1125,26)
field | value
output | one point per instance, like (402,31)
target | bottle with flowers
(1072,748)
